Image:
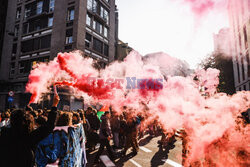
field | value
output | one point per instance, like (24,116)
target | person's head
(41,120)
(40,111)
(82,116)
(64,119)
(76,118)
(89,110)
(107,114)
(28,108)
(6,115)
(22,122)
(34,113)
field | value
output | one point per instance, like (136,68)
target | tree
(223,63)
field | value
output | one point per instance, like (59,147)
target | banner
(65,147)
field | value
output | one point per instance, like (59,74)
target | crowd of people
(23,129)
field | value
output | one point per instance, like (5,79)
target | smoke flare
(206,118)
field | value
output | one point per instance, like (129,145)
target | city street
(149,155)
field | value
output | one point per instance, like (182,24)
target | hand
(56,98)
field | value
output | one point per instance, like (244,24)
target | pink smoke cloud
(179,104)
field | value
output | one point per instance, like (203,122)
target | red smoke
(179,104)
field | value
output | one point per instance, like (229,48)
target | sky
(171,26)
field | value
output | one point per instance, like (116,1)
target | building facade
(42,28)
(222,41)
(239,17)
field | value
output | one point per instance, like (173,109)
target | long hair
(22,122)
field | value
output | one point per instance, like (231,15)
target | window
(88,20)
(89,4)
(16,30)
(39,7)
(69,36)
(106,16)
(50,21)
(105,31)
(245,37)
(71,13)
(242,68)
(51,5)
(94,24)
(92,5)
(27,11)
(99,27)
(24,67)
(36,44)
(102,12)
(106,50)
(45,41)
(97,45)
(88,39)
(25,28)
(18,13)
(14,48)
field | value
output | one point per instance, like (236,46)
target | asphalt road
(150,155)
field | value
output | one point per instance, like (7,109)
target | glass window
(102,12)
(88,38)
(69,40)
(106,50)
(50,21)
(27,12)
(25,28)
(105,31)
(39,7)
(51,5)
(94,24)
(94,6)
(89,4)
(98,27)
(18,13)
(69,36)
(97,45)
(88,20)
(106,16)
(71,13)
(16,30)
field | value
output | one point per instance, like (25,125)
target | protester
(115,126)
(92,135)
(18,143)
(131,135)
(122,136)
(105,136)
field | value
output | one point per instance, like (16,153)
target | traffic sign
(11,93)
(10,99)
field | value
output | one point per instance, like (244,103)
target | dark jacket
(19,150)
(93,121)
(105,129)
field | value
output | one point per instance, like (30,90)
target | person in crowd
(5,119)
(115,126)
(84,121)
(41,121)
(105,137)
(122,135)
(76,118)
(92,135)
(64,119)
(131,135)
(18,143)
